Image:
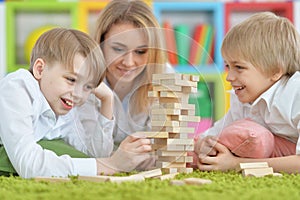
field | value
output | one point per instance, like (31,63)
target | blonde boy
(262,56)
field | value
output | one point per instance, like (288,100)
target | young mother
(133,46)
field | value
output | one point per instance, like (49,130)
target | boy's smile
(247,81)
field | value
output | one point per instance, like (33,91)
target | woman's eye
(117,49)
(141,51)
(89,87)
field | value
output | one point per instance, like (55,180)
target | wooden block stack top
(170,117)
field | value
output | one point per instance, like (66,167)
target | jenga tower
(170,117)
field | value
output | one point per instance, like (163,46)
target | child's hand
(105,95)
(131,152)
(103,92)
(205,146)
(223,161)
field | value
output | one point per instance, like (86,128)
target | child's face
(247,81)
(63,88)
(125,50)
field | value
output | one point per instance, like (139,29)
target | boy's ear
(38,68)
(277,75)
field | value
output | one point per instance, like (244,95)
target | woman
(133,47)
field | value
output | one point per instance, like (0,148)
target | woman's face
(125,49)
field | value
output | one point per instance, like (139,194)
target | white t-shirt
(26,118)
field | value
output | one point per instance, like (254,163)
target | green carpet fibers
(225,186)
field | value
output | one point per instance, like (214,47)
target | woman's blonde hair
(269,42)
(141,16)
(62,44)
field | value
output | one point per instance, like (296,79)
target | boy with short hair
(262,56)
(40,104)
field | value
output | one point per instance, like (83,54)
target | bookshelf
(23,18)
(237,12)
(209,106)
(88,11)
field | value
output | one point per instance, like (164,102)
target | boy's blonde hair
(269,42)
(61,45)
(141,16)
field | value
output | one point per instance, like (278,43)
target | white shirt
(277,109)
(26,118)
(127,123)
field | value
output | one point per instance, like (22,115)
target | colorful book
(195,48)
(182,33)
(207,45)
(201,43)
(170,43)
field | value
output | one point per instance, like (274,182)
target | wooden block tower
(170,117)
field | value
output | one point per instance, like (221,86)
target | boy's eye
(239,67)
(70,79)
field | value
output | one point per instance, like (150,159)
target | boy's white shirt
(277,109)
(26,118)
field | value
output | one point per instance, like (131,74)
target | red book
(170,43)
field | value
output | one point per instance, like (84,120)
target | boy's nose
(230,76)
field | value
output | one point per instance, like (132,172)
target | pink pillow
(247,139)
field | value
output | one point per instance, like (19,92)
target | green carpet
(225,186)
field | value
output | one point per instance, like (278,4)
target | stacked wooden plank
(170,117)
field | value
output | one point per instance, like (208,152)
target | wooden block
(166,111)
(51,179)
(166,88)
(185,170)
(179,82)
(171,105)
(180,141)
(277,174)
(169,94)
(151,173)
(132,178)
(177,182)
(168,147)
(190,77)
(170,164)
(169,100)
(167,176)
(151,134)
(180,129)
(186,118)
(157,117)
(153,94)
(171,153)
(166,76)
(197,181)
(179,135)
(189,89)
(94,178)
(188,112)
(169,170)
(257,172)
(254,165)
(165,123)
(187,159)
